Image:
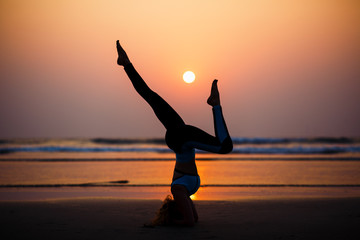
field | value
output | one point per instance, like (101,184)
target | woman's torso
(185,163)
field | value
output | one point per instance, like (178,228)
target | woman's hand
(122,56)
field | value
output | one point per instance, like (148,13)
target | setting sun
(189,77)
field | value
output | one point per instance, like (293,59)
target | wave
(239,140)
(161,141)
(323,140)
(240,150)
(297,150)
(125,184)
(4,150)
(129,140)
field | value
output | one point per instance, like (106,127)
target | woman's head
(167,212)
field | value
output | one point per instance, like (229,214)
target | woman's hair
(166,212)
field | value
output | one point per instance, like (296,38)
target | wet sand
(113,218)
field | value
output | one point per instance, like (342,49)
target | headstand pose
(182,139)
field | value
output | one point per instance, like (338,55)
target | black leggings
(178,133)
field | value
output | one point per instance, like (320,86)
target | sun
(189,77)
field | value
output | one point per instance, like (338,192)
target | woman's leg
(199,139)
(221,143)
(164,112)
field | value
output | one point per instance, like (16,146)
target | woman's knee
(226,146)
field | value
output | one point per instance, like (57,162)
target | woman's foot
(123,59)
(214,98)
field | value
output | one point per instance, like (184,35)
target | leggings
(180,136)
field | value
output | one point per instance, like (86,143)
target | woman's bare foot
(214,98)
(123,59)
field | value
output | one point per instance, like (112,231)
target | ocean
(142,168)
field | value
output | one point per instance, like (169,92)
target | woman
(183,140)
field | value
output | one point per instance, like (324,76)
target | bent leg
(199,139)
(163,111)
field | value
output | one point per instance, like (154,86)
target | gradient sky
(285,68)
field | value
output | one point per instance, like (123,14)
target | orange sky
(285,68)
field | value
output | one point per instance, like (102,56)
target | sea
(257,168)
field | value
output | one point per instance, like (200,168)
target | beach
(108,189)
(113,218)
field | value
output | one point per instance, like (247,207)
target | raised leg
(164,112)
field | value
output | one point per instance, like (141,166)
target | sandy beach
(112,218)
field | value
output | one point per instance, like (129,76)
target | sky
(285,68)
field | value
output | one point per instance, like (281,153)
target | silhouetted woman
(183,140)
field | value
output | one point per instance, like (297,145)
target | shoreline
(106,218)
(159,193)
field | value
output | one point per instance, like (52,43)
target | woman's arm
(196,217)
(184,205)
